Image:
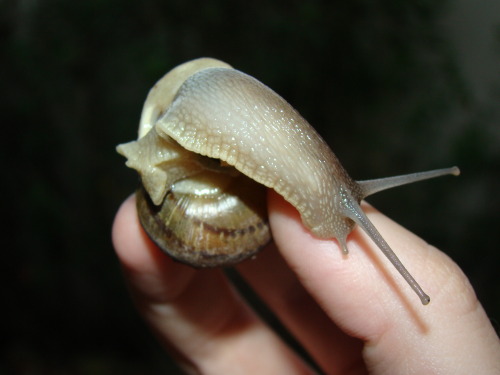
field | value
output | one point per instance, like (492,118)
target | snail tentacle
(369,187)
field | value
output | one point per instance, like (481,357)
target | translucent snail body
(211,139)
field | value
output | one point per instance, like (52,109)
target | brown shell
(212,228)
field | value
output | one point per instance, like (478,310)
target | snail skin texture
(211,139)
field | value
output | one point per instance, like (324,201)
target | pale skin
(353,314)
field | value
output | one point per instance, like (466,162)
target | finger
(369,300)
(280,289)
(196,312)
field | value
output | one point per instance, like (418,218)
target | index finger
(364,296)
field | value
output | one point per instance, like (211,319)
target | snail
(211,140)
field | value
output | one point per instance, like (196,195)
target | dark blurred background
(393,86)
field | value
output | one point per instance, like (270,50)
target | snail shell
(211,138)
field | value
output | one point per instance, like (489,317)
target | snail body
(211,139)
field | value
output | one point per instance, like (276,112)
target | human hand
(353,315)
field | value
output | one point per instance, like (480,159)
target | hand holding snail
(211,139)
(340,315)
